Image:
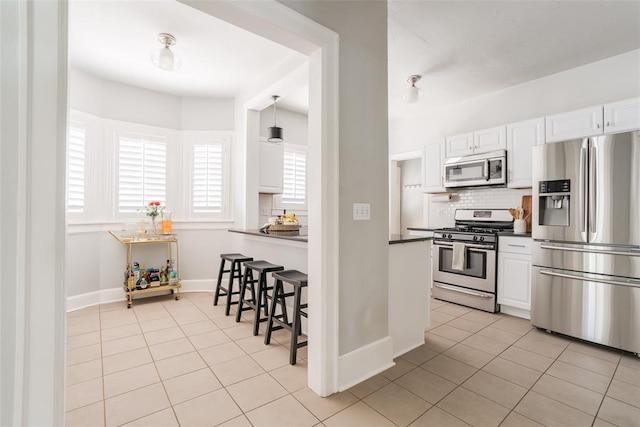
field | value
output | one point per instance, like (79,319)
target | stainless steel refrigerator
(586,231)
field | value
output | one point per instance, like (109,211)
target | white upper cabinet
(575,124)
(432,160)
(459,145)
(622,116)
(521,137)
(610,118)
(489,140)
(271,167)
(481,141)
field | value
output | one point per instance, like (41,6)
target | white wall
(33,86)
(107,99)
(411,196)
(295,126)
(95,260)
(612,79)
(363,165)
(608,80)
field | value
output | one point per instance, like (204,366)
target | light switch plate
(361,211)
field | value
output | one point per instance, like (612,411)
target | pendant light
(165,58)
(413,93)
(275,133)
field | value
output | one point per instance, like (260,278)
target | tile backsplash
(440,214)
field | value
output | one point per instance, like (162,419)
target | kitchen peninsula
(409,273)
(409,290)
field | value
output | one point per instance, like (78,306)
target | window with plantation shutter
(76,149)
(294,183)
(208,178)
(142,172)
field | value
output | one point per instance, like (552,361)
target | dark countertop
(512,234)
(422,229)
(406,238)
(301,237)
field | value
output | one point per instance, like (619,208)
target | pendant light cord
(275,99)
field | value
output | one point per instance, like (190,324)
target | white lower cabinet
(514,275)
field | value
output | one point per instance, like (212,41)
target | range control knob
(475,238)
(482,238)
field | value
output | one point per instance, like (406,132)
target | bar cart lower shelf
(175,289)
(174,285)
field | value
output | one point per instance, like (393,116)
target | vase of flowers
(153,209)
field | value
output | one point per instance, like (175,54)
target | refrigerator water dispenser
(554,203)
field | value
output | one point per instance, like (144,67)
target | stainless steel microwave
(476,171)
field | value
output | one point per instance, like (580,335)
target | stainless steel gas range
(464,258)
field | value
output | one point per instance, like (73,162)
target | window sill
(94,227)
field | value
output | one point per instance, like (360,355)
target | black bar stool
(299,281)
(259,296)
(235,272)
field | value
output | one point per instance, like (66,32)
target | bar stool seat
(298,280)
(259,296)
(235,272)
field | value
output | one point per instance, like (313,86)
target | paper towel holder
(443,198)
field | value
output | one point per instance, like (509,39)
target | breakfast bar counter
(300,237)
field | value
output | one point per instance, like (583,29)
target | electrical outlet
(264,211)
(441,213)
(362,211)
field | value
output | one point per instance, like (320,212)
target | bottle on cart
(136,271)
(126,275)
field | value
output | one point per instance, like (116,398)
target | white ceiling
(461,48)
(467,48)
(114,40)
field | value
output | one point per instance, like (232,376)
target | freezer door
(597,308)
(610,260)
(555,162)
(614,189)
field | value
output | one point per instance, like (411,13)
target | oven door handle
(463,291)
(469,245)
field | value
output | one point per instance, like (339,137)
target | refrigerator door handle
(632,252)
(586,278)
(593,190)
(582,190)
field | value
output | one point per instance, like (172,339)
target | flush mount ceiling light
(413,93)
(164,58)
(275,133)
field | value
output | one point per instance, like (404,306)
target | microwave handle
(486,169)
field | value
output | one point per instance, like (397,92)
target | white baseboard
(104,296)
(364,362)
(408,349)
(517,312)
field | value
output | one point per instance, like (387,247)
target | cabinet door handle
(598,125)
(516,246)
(608,124)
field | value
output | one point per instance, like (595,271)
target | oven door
(479,272)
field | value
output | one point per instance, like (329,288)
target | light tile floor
(170,363)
